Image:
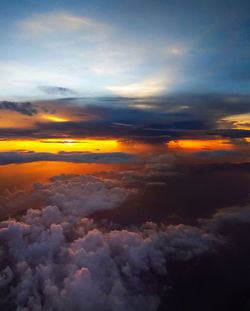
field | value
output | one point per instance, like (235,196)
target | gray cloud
(216,154)
(75,157)
(26,108)
(57,90)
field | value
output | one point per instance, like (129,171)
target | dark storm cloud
(75,157)
(167,118)
(26,108)
(231,133)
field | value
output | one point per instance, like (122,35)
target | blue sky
(123,48)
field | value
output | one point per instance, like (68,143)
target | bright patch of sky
(122,48)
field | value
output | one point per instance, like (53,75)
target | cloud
(216,154)
(147,87)
(54,259)
(228,216)
(68,192)
(54,23)
(152,120)
(75,157)
(60,264)
(56,90)
(61,267)
(26,108)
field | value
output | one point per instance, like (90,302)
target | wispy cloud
(144,88)
(26,108)
(54,23)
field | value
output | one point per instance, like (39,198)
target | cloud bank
(75,157)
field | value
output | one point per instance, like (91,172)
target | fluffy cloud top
(50,264)
(54,259)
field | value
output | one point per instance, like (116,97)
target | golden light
(57,145)
(239,121)
(192,145)
(55,119)
(145,88)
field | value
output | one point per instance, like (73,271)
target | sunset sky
(124,155)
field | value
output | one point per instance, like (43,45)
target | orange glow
(191,145)
(71,145)
(56,145)
(242,127)
(24,175)
(14,119)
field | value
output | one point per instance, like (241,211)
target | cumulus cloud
(54,259)
(75,157)
(57,266)
(57,257)
(228,216)
(26,108)
(68,192)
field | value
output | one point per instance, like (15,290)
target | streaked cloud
(52,23)
(57,90)
(147,87)
(74,157)
(26,108)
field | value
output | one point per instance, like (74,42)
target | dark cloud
(216,154)
(56,90)
(26,108)
(172,117)
(230,133)
(75,157)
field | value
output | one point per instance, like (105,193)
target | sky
(124,48)
(124,155)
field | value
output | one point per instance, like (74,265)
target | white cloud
(79,195)
(144,88)
(75,195)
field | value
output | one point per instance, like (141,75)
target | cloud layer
(152,120)
(75,157)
